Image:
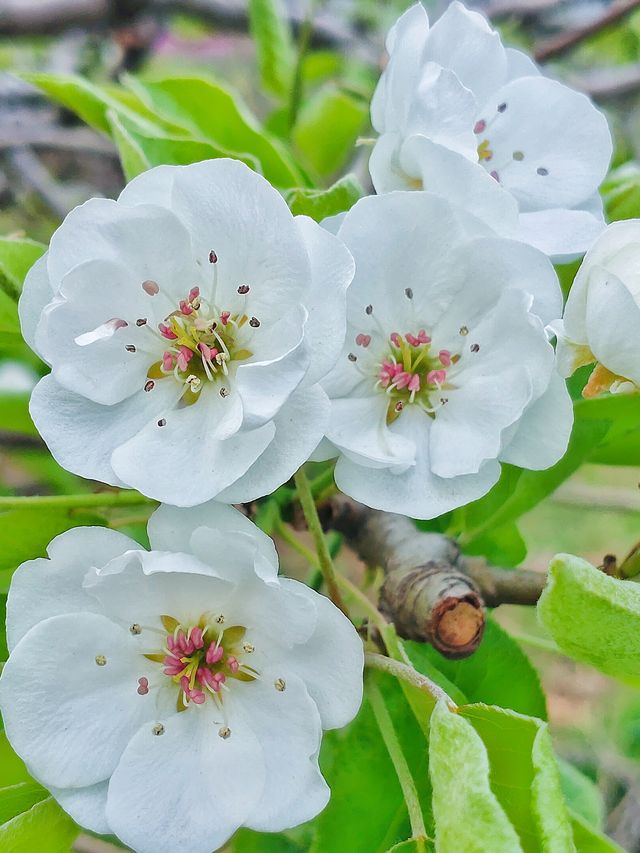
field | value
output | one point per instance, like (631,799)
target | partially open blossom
(461,115)
(170,697)
(187,326)
(447,369)
(601,323)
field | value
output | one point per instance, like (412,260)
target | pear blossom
(170,697)
(447,370)
(187,325)
(459,114)
(601,321)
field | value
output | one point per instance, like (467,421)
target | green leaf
(246,841)
(518,491)
(582,794)
(327,128)
(468,815)
(12,768)
(498,673)
(367,812)
(155,150)
(502,546)
(524,776)
(318,204)
(25,534)
(589,840)
(20,798)
(621,444)
(621,192)
(92,103)
(213,114)
(44,827)
(275,50)
(132,157)
(592,617)
(16,259)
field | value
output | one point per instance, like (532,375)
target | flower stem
(390,738)
(408,674)
(91,499)
(310,511)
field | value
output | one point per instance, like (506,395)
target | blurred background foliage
(289,94)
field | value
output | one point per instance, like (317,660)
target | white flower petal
(82,435)
(235,212)
(50,587)
(613,323)
(186,461)
(332,270)
(154,186)
(405,42)
(542,435)
(463,41)
(287,725)
(149,241)
(70,707)
(560,233)
(415,492)
(331,661)
(358,427)
(519,64)
(140,587)
(278,366)
(564,141)
(299,426)
(460,180)
(188,788)
(170,528)
(87,806)
(36,293)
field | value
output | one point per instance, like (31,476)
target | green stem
(91,499)
(315,529)
(390,738)
(409,675)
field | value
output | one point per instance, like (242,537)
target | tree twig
(563,42)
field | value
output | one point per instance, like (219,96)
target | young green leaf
(213,114)
(274,45)
(16,259)
(468,815)
(327,128)
(592,617)
(43,827)
(498,673)
(19,798)
(92,103)
(582,794)
(246,841)
(413,845)
(589,840)
(132,157)
(524,776)
(318,204)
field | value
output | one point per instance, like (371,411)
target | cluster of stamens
(411,372)
(201,658)
(202,341)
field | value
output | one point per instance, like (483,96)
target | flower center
(201,343)
(201,658)
(412,373)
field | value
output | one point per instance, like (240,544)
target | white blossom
(187,325)
(461,115)
(447,369)
(602,316)
(170,697)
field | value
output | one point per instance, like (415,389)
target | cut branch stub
(437,604)
(426,593)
